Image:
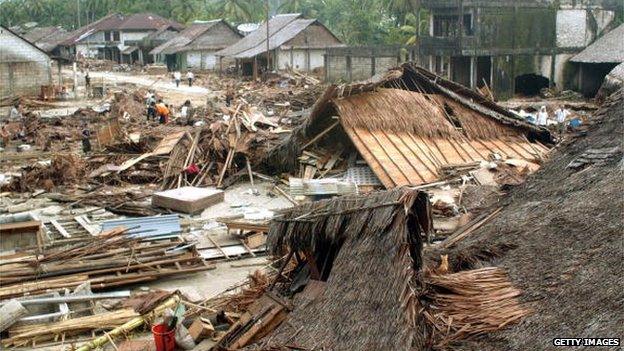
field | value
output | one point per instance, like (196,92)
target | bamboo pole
(130,325)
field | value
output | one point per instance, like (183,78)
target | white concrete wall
(194,60)
(572,28)
(317,59)
(88,50)
(298,60)
(23,68)
(133,36)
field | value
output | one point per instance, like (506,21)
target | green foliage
(354,21)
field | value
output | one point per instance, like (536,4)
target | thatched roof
(409,123)
(368,302)
(607,49)
(282,28)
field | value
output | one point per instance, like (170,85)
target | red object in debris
(164,339)
(192,169)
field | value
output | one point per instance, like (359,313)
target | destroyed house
(24,67)
(598,59)
(513,47)
(195,47)
(409,127)
(293,42)
(117,37)
(47,39)
(362,254)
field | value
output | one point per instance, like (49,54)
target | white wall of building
(194,60)
(133,36)
(300,59)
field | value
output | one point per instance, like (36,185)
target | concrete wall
(300,59)
(133,36)
(201,60)
(360,63)
(23,68)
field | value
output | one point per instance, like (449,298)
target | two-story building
(117,37)
(515,47)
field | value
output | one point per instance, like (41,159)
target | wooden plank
(85,225)
(372,162)
(60,228)
(320,135)
(412,159)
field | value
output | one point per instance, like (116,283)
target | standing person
(561,114)
(5,135)
(87,80)
(86,135)
(151,111)
(542,116)
(229,96)
(177,76)
(187,112)
(190,77)
(15,113)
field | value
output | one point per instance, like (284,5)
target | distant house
(47,39)
(598,59)
(117,37)
(195,47)
(24,67)
(294,42)
(515,47)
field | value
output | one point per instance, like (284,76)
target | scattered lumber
(11,313)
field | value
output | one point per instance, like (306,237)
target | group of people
(177,77)
(158,110)
(542,117)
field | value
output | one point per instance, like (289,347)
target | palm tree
(237,10)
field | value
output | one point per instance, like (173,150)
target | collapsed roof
(410,123)
(367,249)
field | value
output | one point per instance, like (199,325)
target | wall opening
(460,70)
(484,71)
(592,75)
(530,84)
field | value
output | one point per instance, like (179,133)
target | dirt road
(164,85)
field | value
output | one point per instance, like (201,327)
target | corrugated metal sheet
(184,38)
(258,37)
(147,227)
(278,38)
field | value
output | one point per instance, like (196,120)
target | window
(468,25)
(116,36)
(107,36)
(445,25)
(441,66)
(449,25)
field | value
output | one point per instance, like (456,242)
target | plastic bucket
(164,339)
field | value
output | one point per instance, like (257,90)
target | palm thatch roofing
(368,302)
(409,123)
(282,28)
(607,49)
(187,39)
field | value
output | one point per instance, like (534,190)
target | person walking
(190,77)
(542,117)
(177,76)
(86,135)
(561,114)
